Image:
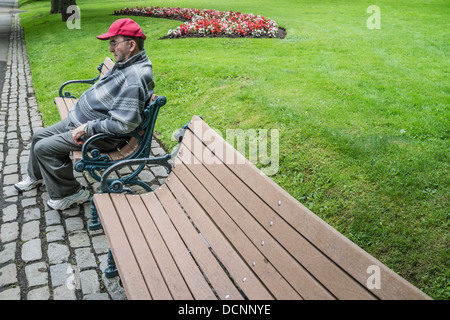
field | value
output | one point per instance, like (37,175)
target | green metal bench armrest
(96,161)
(67,94)
(117,185)
(95,154)
(149,120)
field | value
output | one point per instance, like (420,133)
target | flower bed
(211,23)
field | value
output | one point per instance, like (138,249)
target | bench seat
(64,105)
(220,229)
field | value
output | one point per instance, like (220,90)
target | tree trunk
(60,6)
(55,7)
(64,5)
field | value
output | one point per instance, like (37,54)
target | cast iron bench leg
(95,223)
(111,271)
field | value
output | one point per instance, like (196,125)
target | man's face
(120,47)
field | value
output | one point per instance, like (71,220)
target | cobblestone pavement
(44,254)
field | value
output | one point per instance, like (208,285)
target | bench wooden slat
(203,256)
(150,271)
(70,103)
(298,277)
(163,258)
(238,269)
(351,258)
(129,271)
(323,269)
(263,269)
(130,146)
(192,275)
(108,64)
(64,105)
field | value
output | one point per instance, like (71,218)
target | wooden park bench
(220,229)
(137,144)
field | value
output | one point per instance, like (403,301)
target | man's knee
(49,147)
(41,134)
(57,146)
(42,148)
(38,135)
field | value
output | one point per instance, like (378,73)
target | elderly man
(113,105)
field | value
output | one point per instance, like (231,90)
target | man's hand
(78,133)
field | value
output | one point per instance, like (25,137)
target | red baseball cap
(124,27)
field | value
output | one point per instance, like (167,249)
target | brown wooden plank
(132,279)
(130,146)
(336,246)
(203,256)
(299,278)
(104,71)
(115,155)
(323,269)
(108,64)
(187,266)
(263,268)
(77,155)
(61,106)
(163,258)
(238,269)
(149,269)
(70,102)
(64,105)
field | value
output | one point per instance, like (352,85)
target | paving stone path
(44,254)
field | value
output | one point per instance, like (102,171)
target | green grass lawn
(363,114)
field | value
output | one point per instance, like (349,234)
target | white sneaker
(28,184)
(80,197)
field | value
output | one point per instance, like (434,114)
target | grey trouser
(49,159)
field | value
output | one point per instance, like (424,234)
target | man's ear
(133,45)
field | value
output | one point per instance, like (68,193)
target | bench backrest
(108,64)
(132,146)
